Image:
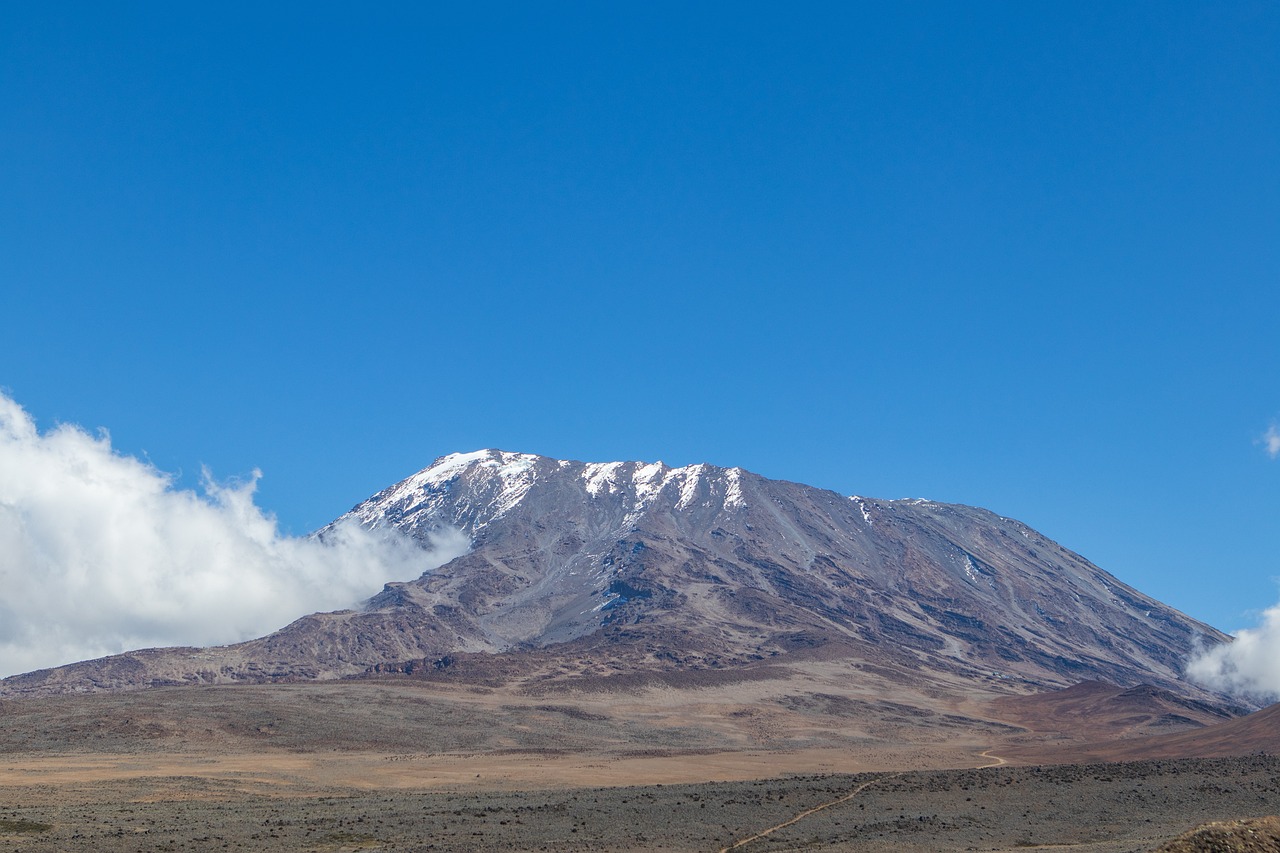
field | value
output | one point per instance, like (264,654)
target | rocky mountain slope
(632,566)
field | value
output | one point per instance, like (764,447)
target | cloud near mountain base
(1249,666)
(101,553)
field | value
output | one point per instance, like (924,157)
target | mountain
(598,570)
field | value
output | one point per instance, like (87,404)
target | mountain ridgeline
(629,567)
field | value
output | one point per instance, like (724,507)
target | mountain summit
(631,567)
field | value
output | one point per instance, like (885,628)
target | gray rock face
(703,567)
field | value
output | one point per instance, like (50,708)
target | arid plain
(775,758)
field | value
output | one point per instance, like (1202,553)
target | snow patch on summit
(649,480)
(600,477)
(733,494)
(473,490)
(646,481)
(862,505)
(426,491)
(689,488)
(507,466)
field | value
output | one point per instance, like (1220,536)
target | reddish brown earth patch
(1255,734)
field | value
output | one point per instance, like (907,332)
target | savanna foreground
(407,765)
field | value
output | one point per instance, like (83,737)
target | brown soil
(1257,733)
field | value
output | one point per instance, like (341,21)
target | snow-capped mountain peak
(470,491)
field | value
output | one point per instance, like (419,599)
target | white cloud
(101,553)
(1249,666)
(1271,441)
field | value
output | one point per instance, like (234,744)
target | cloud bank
(101,553)
(1248,667)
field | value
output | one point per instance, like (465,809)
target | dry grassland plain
(407,766)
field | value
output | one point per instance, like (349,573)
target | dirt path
(804,814)
(997,761)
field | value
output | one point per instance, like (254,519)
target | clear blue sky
(1019,255)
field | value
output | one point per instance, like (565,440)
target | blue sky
(1018,255)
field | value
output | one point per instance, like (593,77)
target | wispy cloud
(100,553)
(1271,441)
